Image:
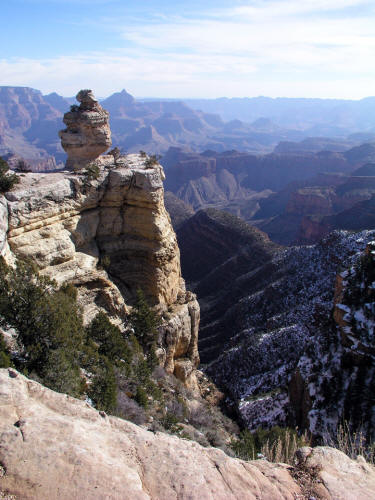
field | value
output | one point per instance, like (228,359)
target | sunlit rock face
(56,447)
(87,134)
(104,228)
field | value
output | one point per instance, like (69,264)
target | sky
(198,49)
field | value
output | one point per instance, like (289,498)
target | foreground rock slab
(55,447)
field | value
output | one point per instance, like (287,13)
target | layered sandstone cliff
(55,447)
(106,230)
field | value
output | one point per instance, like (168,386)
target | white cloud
(264,47)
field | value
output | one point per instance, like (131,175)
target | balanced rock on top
(87,134)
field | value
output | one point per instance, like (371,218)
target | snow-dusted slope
(287,364)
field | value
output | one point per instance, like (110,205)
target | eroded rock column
(87,134)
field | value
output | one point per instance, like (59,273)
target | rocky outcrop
(108,236)
(55,447)
(87,132)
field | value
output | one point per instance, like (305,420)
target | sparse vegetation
(152,160)
(105,262)
(145,321)
(117,371)
(352,442)
(276,444)
(7,181)
(92,172)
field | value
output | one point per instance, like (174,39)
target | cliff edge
(53,446)
(104,228)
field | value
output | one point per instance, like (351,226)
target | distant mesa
(87,134)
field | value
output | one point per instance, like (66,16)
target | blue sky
(293,48)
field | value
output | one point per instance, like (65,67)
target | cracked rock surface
(53,446)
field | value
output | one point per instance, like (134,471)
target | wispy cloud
(304,47)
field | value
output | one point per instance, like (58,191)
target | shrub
(61,373)
(5,361)
(144,321)
(351,442)
(92,172)
(103,389)
(275,444)
(141,397)
(142,371)
(105,262)
(169,421)
(152,160)
(44,317)
(48,323)
(110,339)
(7,181)
(129,409)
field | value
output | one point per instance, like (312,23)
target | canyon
(267,337)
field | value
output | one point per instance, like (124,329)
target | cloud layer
(277,48)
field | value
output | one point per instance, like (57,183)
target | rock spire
(87,134)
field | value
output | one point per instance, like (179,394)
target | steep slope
(283,328)
(55,447)
(221,258)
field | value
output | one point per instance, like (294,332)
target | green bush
(152,160)
(45,318)
(276,444)
(110,339)
(142,371)
(170,422)
(103,389)
(7,181)
(141,397)
(145,321)
(5,361)
(92,172)
(62,374)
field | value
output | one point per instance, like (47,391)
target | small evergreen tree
(145,321)
(5,361)
(48,323)
(110,339)
(103,389)
(141,397)
(61,373)
(7,181)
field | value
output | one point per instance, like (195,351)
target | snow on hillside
(288,325)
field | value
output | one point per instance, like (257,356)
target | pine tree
(145,321)
(103,389)
(7,181)
(110,339)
